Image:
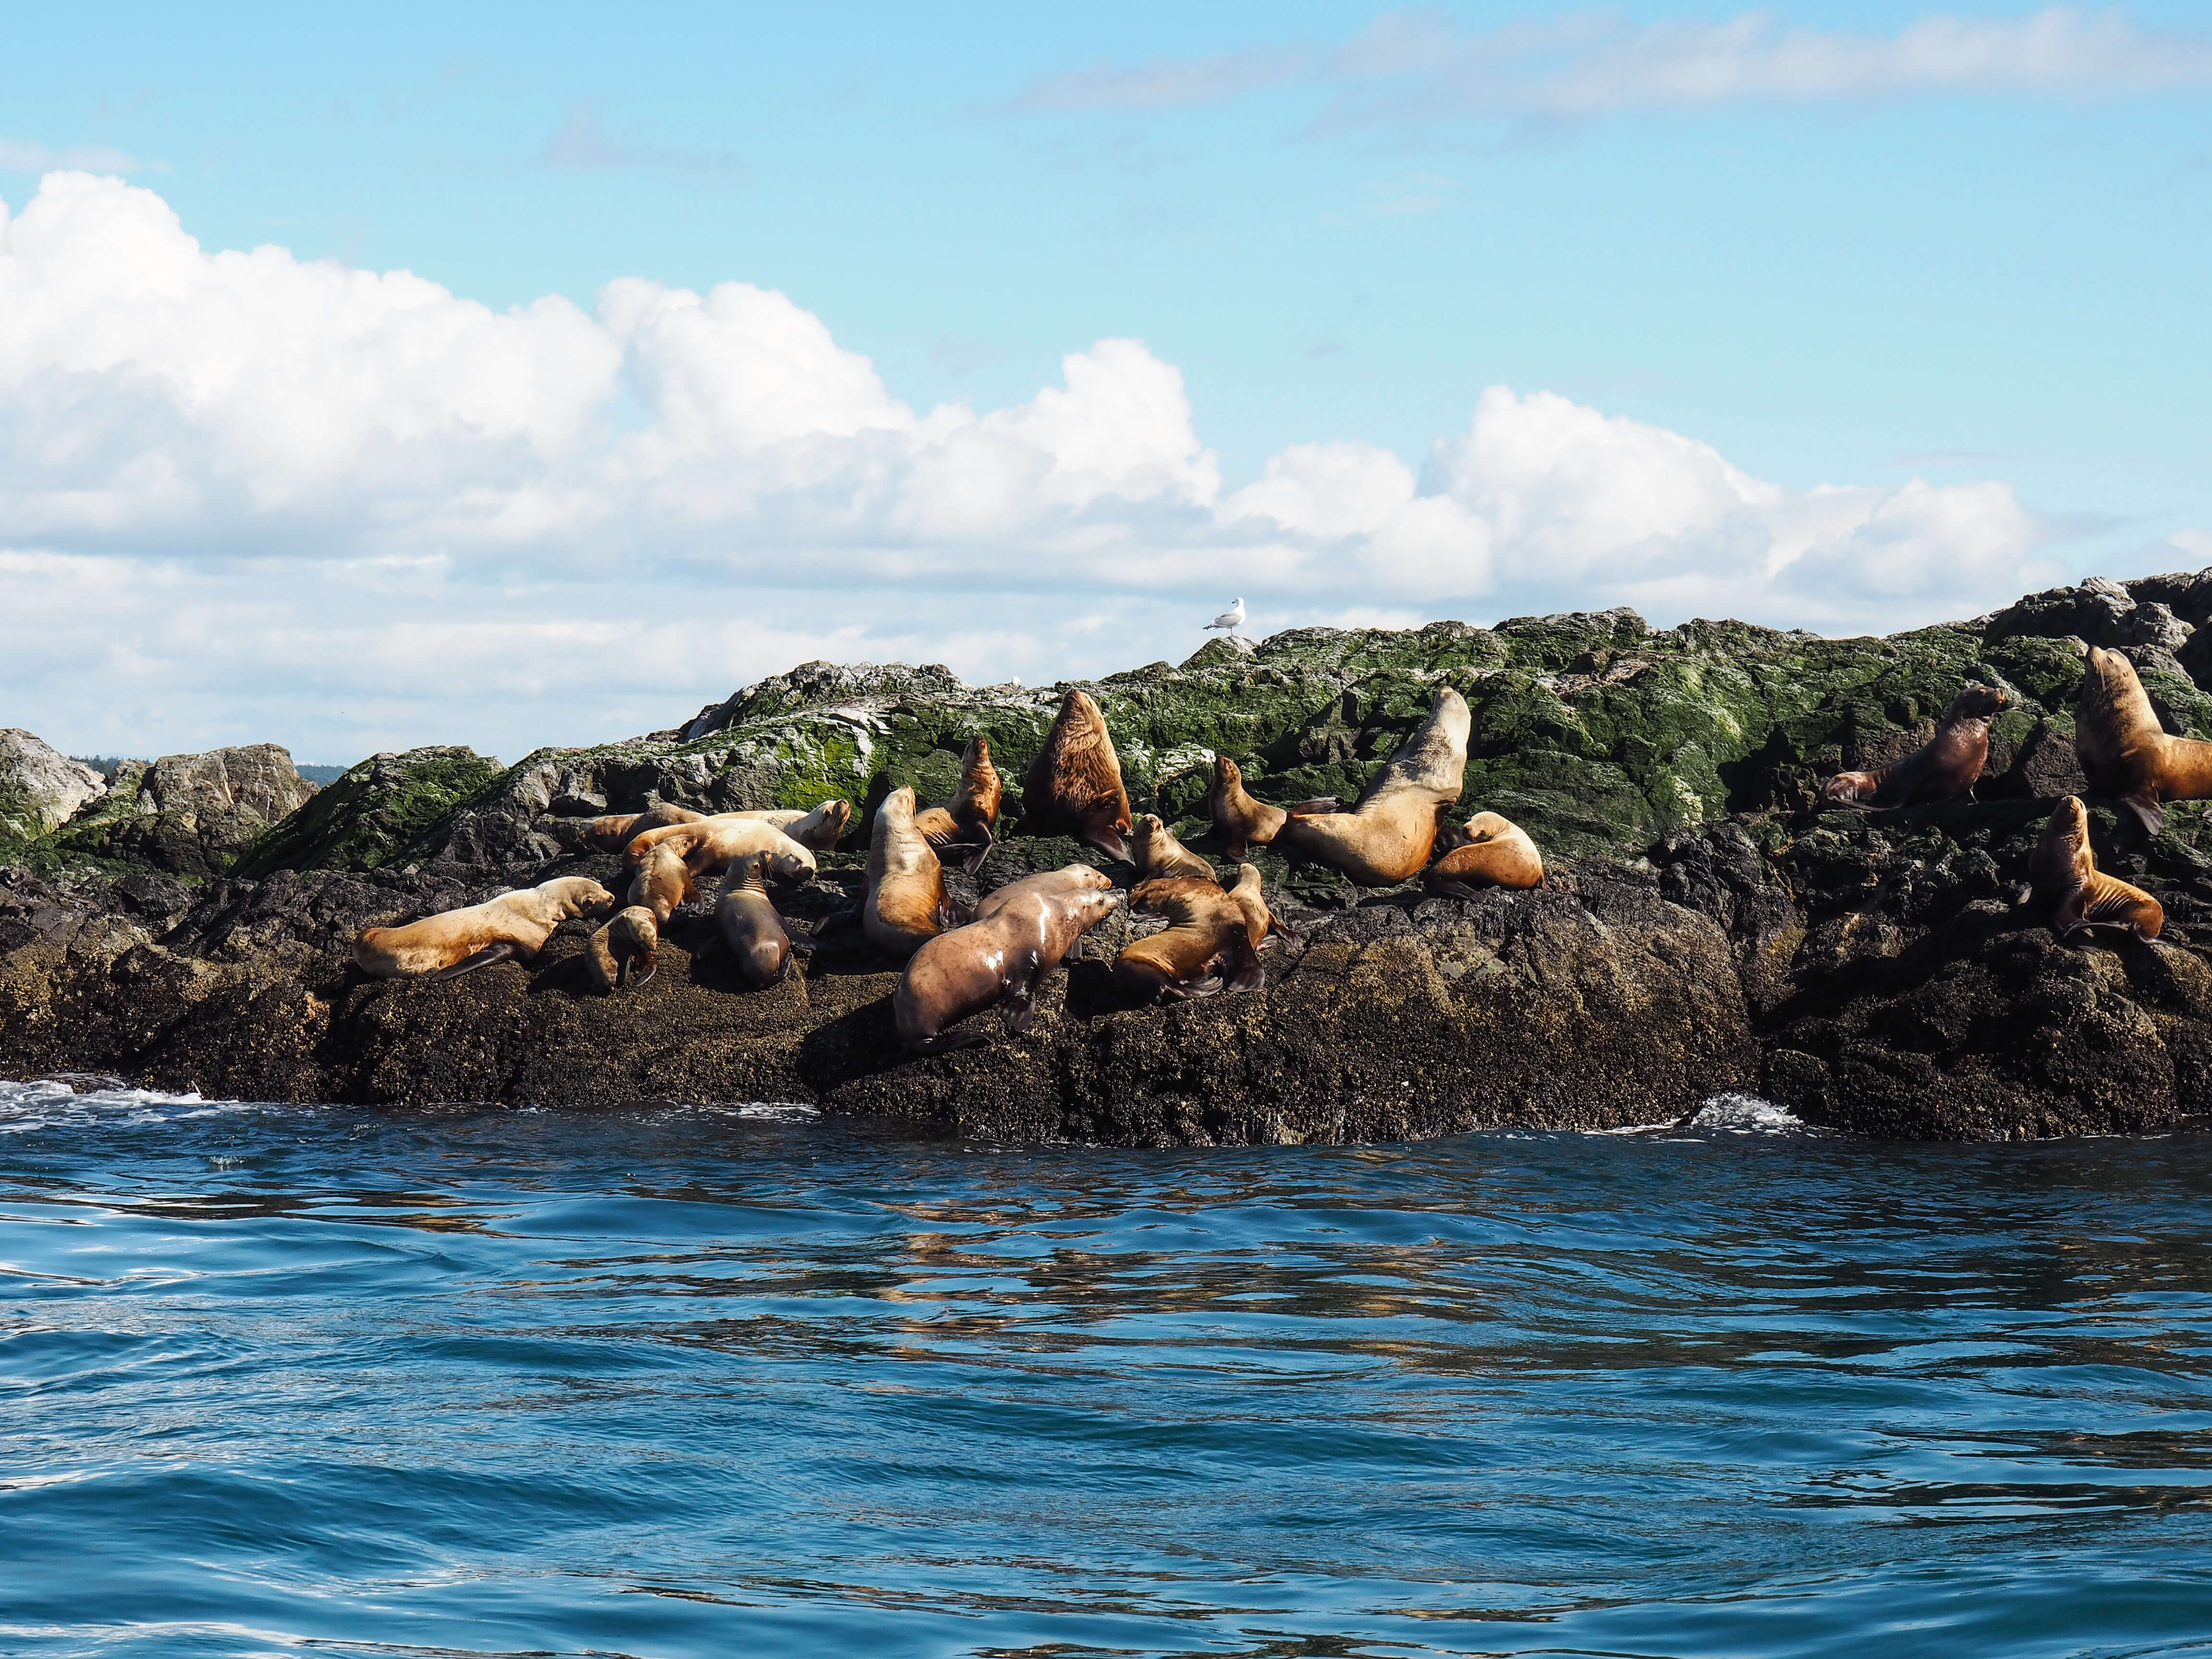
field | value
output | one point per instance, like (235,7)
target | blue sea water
(715,1382)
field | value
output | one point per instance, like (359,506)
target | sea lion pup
(2064,876)
(663,882)
(1489,852)
(1156,852)
(2124,750)
(1073,786)
(629,937)
(613,832)
(1945,768)
(1242,823)
(514,924)
(713,845)
(970,818)
(1259,920)
(748,925)
(1207,933)
(818,830)
(906,901)
(1388,836)
(1002,958)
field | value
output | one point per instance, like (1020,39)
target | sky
(512,376)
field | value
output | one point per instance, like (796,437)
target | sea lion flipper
(2147,806)
(1317,805)
(983,848)
(483,958)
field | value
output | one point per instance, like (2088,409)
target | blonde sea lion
(1000,958)
(2124,750)
(1387,837)
(1490,851)
(1073,786)
(710,846)
(663,882)
(1945,768)
(971,816)
(613,832)
(1156,852)
(627,938)
(1242,823)
(1208,935)
(747,923)
(454,942)
(906,901)
(819,829)
(2065,881)
(1259,920)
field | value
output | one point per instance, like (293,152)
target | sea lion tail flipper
(983,849)
(1317,804)
(2147,806)
(652,967)
(944,1042)
(483,958)
(1248,973)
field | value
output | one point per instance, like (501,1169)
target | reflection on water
(713,1380)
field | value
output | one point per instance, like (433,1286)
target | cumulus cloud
(271,493)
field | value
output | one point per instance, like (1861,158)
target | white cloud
(252,495)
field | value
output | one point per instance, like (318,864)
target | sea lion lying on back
(1387,837)
(758,943)
(1208,937)
(514,924)
(614,832)
(2076,895)
(1021,933)
(1945,768)
(1242,823)
(2125,751)
(1156,852)
(906,901)
(1489,852)
(968,820)
(629,941)
(1073,786)
(711,845)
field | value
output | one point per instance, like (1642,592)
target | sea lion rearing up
(1156,852)
(2125,751)
(1073,786)
(1489,852)
(629,937)
(1002,958)
(968,819)
(751,932)
(2065,880)
(1208,932)
(513,924)
(711,845)
(1945,768)
(1388,836)
(1242,823)
(616,830)
(1259,920)
(906,901)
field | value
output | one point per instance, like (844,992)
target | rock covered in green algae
(40,789)
(189,814)
(377,813)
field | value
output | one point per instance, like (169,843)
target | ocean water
(716,1381)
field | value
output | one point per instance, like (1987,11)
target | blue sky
(1846,247)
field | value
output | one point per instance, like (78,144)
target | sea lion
(1156,852)
(971,818)
(906,901)
(1002,958)
(1208,932)
(613,832)
(1945,768)
(1259,920)
(663,882)
(1073,786)
(627,938)
(1489,852)
(748,925)
(1386,838)
(710,846)
(2064,877)
(2124,750)
(516,923)
(818,830)
(1242,823)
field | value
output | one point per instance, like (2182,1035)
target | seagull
(1230,620)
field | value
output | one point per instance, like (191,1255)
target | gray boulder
(40,789)
(192,814)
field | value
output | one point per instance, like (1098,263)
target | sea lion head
(1488,826)
(790,866)
(627,944)
(2070,820)
(1976,702)
(2109,675)
(581,895)
(837,814)
(1225,772)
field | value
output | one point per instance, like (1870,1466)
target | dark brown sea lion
(906,902)
(1387,837)
(1156,852)
(1208,935)
(612,833)
(968,819)
(1073,786)
(710,846)
(1489,852)
(751,932)
(663,882)
(1002,958)
(515,924)
(1945,768)
(1259,920)
(1242,823)
(2124,750)
(629,939)
(2067,884)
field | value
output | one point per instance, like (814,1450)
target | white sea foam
(1747,1114)
(80,1098)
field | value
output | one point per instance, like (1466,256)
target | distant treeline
(320,775)
(108,765)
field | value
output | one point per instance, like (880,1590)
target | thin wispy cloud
(1169,82)
(19,156)
(581,144)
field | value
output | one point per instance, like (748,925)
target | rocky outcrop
(40,789)
(190,814)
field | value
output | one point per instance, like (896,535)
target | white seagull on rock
(1230,620)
